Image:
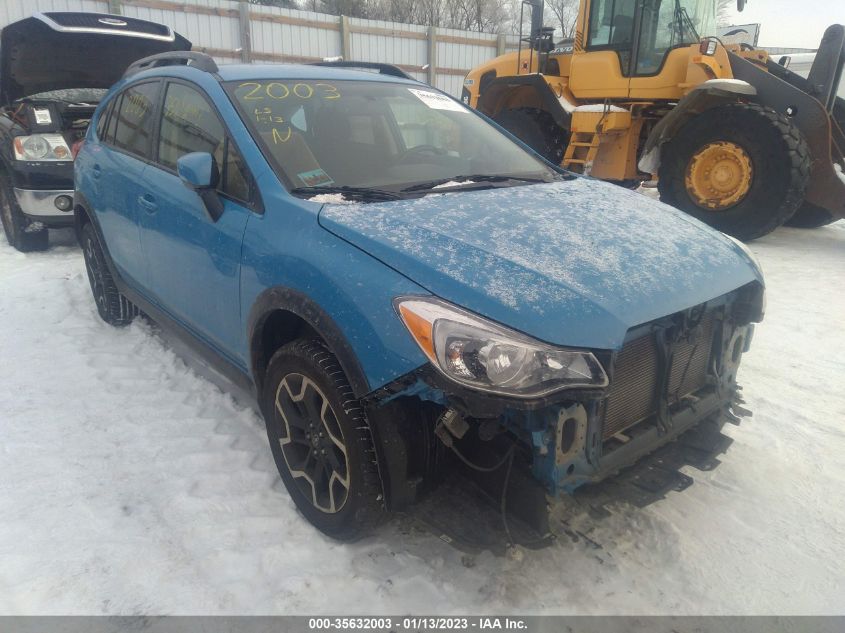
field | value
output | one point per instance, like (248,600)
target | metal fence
(240,32)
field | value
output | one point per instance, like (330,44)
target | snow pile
(130,485)
(839,171)
(330,198)
(453,183)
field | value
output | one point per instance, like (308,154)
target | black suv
(54,69)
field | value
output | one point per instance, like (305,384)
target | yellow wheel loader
(644,91)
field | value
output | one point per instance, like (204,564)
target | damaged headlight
(41,147)
(484,355)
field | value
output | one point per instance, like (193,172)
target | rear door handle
(148,202)
(96,171)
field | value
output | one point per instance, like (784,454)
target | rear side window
(190,124)
(134,120)
(112,120)
(104,119)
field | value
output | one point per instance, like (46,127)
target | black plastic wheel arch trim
(297,303)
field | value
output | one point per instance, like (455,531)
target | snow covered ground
(128,484)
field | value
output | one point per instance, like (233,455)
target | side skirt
(196,354)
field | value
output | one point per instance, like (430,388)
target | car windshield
(377,135)
(72,95)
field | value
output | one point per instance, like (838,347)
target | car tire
(321,441)
(809,216)
(758,141)
(21,233)
(114,308)
(537,129)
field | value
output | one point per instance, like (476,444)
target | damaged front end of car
(669,375)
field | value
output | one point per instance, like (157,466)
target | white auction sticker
(437,101)
(42,117)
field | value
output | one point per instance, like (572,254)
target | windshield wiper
(469,180)
(364,194)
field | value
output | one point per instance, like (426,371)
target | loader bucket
(815,109)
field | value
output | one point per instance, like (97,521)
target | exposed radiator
(631,396)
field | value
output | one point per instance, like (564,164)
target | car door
(193,262)
(118,171)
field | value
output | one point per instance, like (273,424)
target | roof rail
(383,69)
(194,59)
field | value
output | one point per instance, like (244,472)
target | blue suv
(402,285)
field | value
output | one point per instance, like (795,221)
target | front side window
(133,120)
(370,134)
(190,124)
(668,24)
(611,24)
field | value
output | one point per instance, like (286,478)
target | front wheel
(741,168)
(21,233)
(321,442)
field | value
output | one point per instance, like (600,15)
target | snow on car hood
(576,262)
(59,50)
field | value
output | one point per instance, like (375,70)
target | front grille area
(631,398)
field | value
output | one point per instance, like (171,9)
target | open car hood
(573,263)
(53,51)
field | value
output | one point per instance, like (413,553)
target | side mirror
(199,171)
(740,5)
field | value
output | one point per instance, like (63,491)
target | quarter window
(104,119)
(190,124)
(112,120)
(133,123)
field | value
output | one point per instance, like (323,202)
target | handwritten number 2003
(276,90)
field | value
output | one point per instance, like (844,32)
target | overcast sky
(793,23)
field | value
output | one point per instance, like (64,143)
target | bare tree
(563,15)
(470,15)
(723,12)
(285,4)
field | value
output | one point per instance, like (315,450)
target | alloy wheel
(312,443)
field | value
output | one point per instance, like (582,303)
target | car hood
(575,262)
(53,51)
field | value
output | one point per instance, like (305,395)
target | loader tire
(809,216)
(763,147)
(537,129)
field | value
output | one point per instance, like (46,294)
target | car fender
(290,263)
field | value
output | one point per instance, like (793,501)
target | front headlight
(41,147)
(484,355)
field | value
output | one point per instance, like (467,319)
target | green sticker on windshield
(315,178)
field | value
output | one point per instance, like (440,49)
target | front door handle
(148,202)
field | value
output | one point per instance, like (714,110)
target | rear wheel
(112,306)
(21,233)
(537,129)
(741,168)
(321,441)
(809,216)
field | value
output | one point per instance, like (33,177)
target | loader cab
(637,44)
